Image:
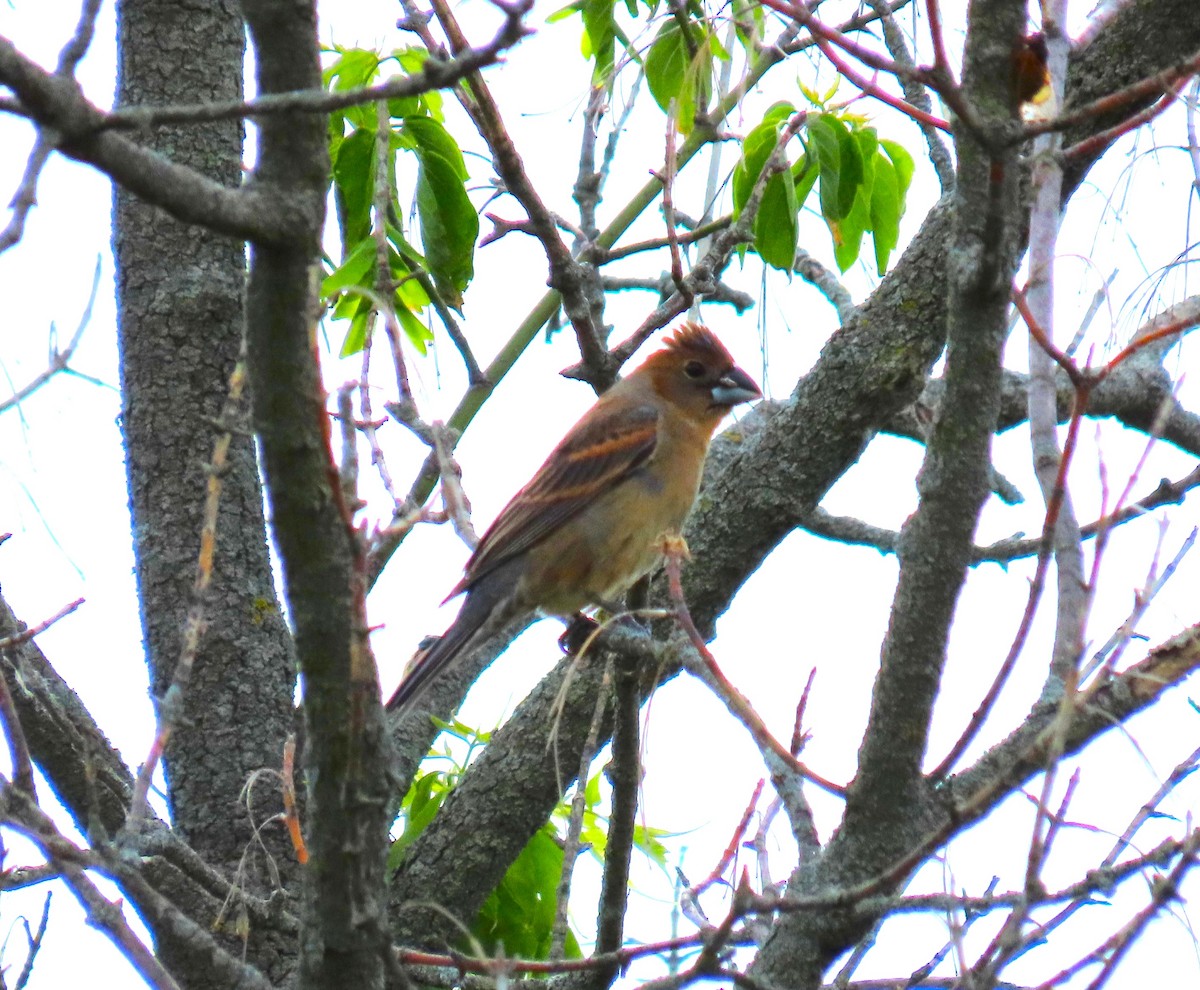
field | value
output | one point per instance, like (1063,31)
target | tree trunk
(179,296)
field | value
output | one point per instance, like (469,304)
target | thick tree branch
(346,755)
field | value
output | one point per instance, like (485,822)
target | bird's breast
(598,554)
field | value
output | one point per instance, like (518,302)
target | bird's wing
(599,452)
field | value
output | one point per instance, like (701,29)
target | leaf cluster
(448,228)
(861,180)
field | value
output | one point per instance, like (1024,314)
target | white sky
(62,494)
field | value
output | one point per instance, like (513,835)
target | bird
(590,521)
(1031,70)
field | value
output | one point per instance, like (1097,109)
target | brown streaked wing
(592,459)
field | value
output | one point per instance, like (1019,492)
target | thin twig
(739,835)
(567,275)
(626,777)
(35,943)
(571,842)
(668,208)
(25,198)
(25,635)
(60,361)
(735,701)
(170,706)
(914,92)
(1107,655)
(24,814)
(434,74)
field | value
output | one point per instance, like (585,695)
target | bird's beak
(734,388)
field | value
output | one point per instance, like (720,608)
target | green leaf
(564,12)
(429,135)
(354,184)
(403,106)
(849,231)
(850,175)
(646,840)
(599,37)
(353,270)
(868,145)
(886,207)
(413,60)
(714,45)
(756,149)
(775,226)
(416,331)
(823,141)
(356,336)
(449,223)
(666,65)
(904,165)
(519,914)
(749,13)
(672,73)
(410,292)
(805,173)
(421,805)
(353,69)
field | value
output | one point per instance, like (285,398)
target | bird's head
(696,373)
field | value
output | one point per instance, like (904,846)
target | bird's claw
(579,630)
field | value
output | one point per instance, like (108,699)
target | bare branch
(24,814)
(1074,595)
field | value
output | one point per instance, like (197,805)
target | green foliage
(519,913)
(861,181)
(518,916)
(679,69)
(458,743)
(449,223)
(775,224)
(600,34)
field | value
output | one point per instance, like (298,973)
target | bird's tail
(487,608)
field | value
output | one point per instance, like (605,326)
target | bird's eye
(693,369)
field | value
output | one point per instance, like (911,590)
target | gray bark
(179,291)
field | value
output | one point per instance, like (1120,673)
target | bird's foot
(579,630)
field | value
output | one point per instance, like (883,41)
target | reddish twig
(1161,82)
(72,863)
(941,63)
(735,701)
(739,834)
(1077,377)
(1153,336)
(1035,591)
(937,79)
(1109,654)
(25,635)
(1110,952)
(14,734)
(1097,142)
(872,89)
(799,737)
(291,817)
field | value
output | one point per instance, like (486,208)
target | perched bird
(587,525)
(1031,70)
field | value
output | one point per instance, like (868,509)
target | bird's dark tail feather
(487,608)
